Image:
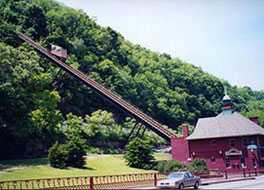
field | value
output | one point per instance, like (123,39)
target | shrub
(58,155)
(70,154)
(198,165)
(76,154)
(169,166)
(139,154)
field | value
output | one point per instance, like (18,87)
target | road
(250,184)
(258,183)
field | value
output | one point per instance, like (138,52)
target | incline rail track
(101,90)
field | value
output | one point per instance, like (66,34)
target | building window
(212,159)
(213,142)
(245,142)
(232,142)
(253,141)
(254,163)
(227,162)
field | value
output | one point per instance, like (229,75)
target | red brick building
(227,141)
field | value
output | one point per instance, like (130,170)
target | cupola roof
(226,97)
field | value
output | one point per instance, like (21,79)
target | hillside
(36,97)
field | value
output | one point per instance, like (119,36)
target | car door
(186,180)
(191,179)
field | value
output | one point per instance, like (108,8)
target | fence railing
(242,173)
(85,182)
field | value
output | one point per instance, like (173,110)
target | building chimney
(185,130)
(255,119)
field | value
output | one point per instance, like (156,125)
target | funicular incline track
(100,89)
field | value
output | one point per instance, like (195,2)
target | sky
(223,37)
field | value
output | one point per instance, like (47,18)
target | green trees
(139,154)
(46,118)
(255,109)
(98,130)
(28,107)
(36,99)
(27,16)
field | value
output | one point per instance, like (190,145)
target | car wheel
(181,186)
(196,185)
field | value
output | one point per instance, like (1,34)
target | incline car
(180,180)
(59,52)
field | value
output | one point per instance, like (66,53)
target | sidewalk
(223,180)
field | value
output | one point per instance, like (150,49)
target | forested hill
(36,96)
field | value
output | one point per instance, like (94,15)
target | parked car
(180,180)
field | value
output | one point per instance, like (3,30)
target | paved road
(258,183)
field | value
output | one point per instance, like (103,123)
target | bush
(169,166)
(139,154)
(76,154)
(70,154)
(198,165)
(58,155)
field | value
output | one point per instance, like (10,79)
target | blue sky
(223,37)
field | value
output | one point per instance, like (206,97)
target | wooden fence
(85,182)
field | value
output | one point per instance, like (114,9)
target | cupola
(227,105)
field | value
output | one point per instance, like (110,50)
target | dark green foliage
(8,35)
(255,109)
(35,22)
(58,155)
(26,16)
(70,154)
(139,154)
(169,166)
(76,153)
(197,165)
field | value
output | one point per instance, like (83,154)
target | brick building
(227,141)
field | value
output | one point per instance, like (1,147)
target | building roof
(225,125)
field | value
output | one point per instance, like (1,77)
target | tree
(73,127)
(138,154)
(255,108)
(35,22)
(47,118)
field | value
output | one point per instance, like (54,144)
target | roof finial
(225,90)
(227,103)
(226,97)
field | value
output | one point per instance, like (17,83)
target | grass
(162,156)
(95,165)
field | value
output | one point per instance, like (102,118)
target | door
(188,179)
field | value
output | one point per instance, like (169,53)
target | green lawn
(95,165)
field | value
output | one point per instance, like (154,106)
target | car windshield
(175,175)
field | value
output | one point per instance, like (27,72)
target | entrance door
(233,159)
(235,163)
